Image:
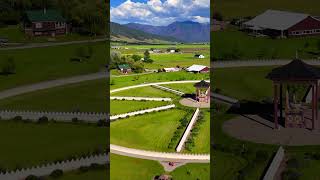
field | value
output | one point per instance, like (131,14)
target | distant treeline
(87,16)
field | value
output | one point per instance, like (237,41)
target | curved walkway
(159,156)
(50,84)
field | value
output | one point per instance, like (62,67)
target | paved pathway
(159,156)
(50,84)
(251,63)
(50,44)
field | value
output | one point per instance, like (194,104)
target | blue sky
(159,12)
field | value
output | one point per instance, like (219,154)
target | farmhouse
(45,23)
(198,69)
(171,69)
(200,56)
(124,68)
(283,24)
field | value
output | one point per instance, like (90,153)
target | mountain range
(186,31)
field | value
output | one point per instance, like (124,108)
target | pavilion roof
(295,70)
(202,84)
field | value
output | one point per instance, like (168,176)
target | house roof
(196,68)
(124,66)
(274,19)
(44,15)
(202,84)
(295,70)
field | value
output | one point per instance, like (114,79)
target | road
(50,44)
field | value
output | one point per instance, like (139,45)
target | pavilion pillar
(275,103)
(281,103)
(316,106)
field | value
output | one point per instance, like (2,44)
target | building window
(38,25)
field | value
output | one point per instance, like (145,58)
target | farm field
(143,131)
(76,139)
(120,107)
(231,8)
(86,96)
(202,139)
(118,82)
(136,169)
(242,46)
(42,64)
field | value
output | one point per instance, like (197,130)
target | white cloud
(157,12)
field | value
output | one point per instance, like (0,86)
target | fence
(48,168)
(275,164)
(57,116)
(139,98)
(168,89)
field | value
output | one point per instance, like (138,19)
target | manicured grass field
(127,168)
(29,144)
(244,83)
(202,140)
(165,46)
(117,82)
(231,8)
(41,64)
(192,172)
(151,131)
(87,96)
(146,91)
(225,165)
(76,175)
(186,87)
(248,47)
(121,106)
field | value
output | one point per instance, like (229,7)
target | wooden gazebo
(296,72)
(202,91)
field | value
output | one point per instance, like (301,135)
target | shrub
(56,173)
(43,119)
(32,177)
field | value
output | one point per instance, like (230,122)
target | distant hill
(123,33)
(187,31)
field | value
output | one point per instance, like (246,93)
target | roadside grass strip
(126,115)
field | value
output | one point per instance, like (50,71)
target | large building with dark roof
(45,23)
(283,24)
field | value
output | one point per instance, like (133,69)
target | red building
(283,24)
(45,23)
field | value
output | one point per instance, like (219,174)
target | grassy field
(41,64)
(127,168)
(165,46)
(244,83)
(119,106)
(118,82)
(152,131)
(147,91)
(76,175)
(186,88)
(27,144)
(231,8)
(202,140)
(85,97)
(139,169)
(247,47)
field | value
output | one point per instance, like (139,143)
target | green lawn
(29,144)
(165,46)
(122,106)
(76,175)
(12,33)
(186,88)
(117,82)
(231,8)
(147,91)
(202,140)
(192,172)
(151,131)
(247,47)
(86,96)
(127,168)
(244,83)
(41,64)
